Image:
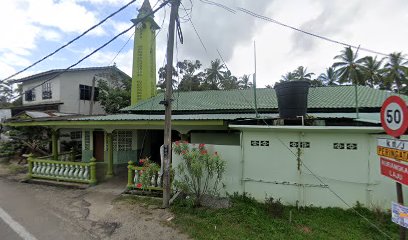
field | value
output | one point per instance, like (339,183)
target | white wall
(273,170)
(55,88)
(65,88)
(70,97)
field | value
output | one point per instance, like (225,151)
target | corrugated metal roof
(372,117)
(333,97)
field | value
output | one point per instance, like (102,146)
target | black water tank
(292,98)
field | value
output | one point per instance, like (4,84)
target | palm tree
(214,74)
(289,76)
(190,80)
(329,78)
(349,67)
(396,70)
(229,81)
(244,82)
(302,74)
(372,71)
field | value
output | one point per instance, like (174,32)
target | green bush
(200,172)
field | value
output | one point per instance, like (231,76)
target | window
(76,135)
(122,140)
(30,95)
(46,91)
(85,92)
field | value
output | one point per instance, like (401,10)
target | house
(302,161)
(63,91)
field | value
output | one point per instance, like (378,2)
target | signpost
(394,120)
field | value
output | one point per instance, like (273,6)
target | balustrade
(62,170)
(134,178)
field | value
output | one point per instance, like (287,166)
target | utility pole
(167,103)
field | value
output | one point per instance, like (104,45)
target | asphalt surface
(23,216)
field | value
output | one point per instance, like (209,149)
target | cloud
(104,58)
(218,28)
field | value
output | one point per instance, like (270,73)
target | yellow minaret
(144,56)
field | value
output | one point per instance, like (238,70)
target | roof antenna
(254,83)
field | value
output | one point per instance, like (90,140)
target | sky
(34,28)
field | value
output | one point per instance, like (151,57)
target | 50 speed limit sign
(394,116)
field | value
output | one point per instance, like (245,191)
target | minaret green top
(144,55)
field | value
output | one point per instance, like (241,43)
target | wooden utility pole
(167,104)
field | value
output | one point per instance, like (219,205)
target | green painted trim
(111,123)
(109,138)
(60,162)
(60,179)
(54,138)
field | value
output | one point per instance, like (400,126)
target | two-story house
(59,93)
(66,92)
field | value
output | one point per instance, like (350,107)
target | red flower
(201,145)
(203,152)
(216,153)
(177,143)
(183,152)
(141,161)
(139,185)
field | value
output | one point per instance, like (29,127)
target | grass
(248,219)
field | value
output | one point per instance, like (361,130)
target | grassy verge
(139,200)
(248,219)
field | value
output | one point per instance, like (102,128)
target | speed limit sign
(394,116)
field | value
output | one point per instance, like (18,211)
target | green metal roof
(334,97)
(364,117)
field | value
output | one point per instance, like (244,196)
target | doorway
(99,141)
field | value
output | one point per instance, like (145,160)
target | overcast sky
(33,28)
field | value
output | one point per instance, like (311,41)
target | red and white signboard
(394,116)
(394,170)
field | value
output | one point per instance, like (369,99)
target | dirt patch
(304,229)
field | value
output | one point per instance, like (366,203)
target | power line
(294,28)
(70,42)
(121,49)
(99,48)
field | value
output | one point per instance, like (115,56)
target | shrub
(274,207)
(200,172)
(150,171)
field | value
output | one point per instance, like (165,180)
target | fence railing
(134,179)
(65,156)
(80,172)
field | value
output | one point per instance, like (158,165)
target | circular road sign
(394,116)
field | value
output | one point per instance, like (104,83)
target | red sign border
(383,170)
(400,131)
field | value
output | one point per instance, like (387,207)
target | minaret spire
(144,55)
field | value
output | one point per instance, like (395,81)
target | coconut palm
(191,76)
(214,74)
(372,71)
(229,81)
(396,70)
(349,67)
(245,82)
(302,74)
(289,76)
(329,78)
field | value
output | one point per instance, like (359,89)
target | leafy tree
(396,70)
(244,82)
(228,82)
(6,93)
(329,78)
(191,76)
(213,75)
(162,78)
(114,94)
(349,67)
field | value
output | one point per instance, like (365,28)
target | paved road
(22,216)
